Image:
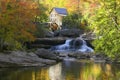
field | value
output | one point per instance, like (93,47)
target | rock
(46,42)
(63,54)
(80,55)
(49,34)
(76,43)
(89,44)
(89,36)
(23,59)
(68,33)
(47,54)
(50,41)
(100,57)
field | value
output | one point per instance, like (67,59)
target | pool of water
(66,70)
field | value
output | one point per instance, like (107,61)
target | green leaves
(107,23)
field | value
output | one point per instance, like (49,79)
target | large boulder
(47,54)
(46,42)
(23,59)
(69,33)
(76,43)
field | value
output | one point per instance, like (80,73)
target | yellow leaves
(118,1)
(34,5)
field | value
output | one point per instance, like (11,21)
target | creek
(66,70)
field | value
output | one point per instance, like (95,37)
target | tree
(72,5)
(16,23)
(49,4)
(106,23)
(72,21)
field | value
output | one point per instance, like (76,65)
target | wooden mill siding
(56,15)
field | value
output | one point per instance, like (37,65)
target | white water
(77,45)
(85,48)
(65,46)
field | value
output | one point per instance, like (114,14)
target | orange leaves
(88,7)
(3,5)
(27,35)
(17,17)
(28,4)
(72,5)
(34,5)
(27,13)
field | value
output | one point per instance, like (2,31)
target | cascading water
(65,46)
(73,45)
(85,48)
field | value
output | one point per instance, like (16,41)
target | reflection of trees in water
(42,74)
(16,74)
(115,69)
(24,74)
(70,70)
(98,71)
(89,71)
(106,72)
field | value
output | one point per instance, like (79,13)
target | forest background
(21,21)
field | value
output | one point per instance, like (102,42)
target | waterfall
(77,44)
(85,48)
(65,46)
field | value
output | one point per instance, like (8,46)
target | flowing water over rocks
(78,48)
(77,44)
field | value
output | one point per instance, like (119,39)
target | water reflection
(68,70)
(89,71)
(55,72)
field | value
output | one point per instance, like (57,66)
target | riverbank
(44,57)
(28,59)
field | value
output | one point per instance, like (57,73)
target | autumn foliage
(16,22)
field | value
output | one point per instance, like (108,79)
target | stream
(66,70)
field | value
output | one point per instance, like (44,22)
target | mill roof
(62,11)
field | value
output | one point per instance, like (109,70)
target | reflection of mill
(55,72)
(51,73)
